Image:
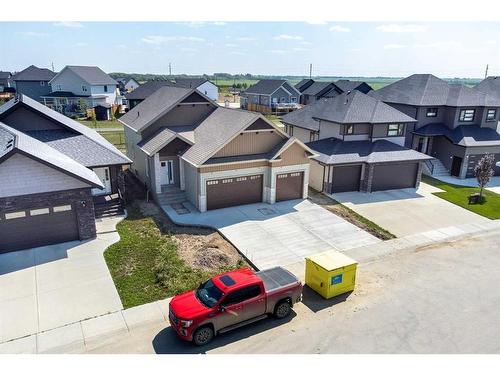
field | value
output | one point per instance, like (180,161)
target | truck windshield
(208,294)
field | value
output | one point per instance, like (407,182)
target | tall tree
(484,170)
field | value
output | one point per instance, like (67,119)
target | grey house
(455,124)
(312,91)
(53,170)
(5,80)
(33,82)
(145,90)
(359,141)
(347,85)
(270,95)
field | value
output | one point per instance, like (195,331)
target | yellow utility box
(331,273)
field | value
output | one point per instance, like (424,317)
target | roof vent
(138,113)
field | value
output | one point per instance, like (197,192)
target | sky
(267,48)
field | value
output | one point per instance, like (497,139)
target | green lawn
(145,265)
(101,124)
(459,195)
(275,119)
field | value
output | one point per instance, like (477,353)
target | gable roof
(489,85)
(163,137)
(317,88)
(347,108)
(429,90)
(45,154)
(93,75)
(92,149)
(347,85)
(303,84)
(5,75)
(34,73)
(147,88)
(334,151)
(265,86)
(190,82)
(156,105)
(216,130)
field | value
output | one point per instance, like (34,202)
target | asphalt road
(437,299)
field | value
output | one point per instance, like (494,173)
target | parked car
(232,300)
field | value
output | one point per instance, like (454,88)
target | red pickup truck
(232,300)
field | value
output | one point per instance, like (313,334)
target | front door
(167,172)
(456,166)
(103,174)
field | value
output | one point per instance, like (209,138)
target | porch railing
(430,166)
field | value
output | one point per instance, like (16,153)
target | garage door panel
(289,186)
(394,176)
(234,191)
(37,227)
(346,178)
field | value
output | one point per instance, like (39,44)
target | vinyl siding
(21,175)
(250,143)
(316,172)
(24,120)
(33,89)
(294,154)
(191,178)
(228,167)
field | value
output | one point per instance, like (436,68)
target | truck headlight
(186,323)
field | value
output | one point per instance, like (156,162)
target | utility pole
(170,69)
(53,66)
(310,70)
(486,73)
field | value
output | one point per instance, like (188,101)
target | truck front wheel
(282,309)
(203,335)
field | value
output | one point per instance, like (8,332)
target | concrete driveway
(52,286)
(408,211)
(280,234)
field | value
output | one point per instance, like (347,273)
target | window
(395,130)
(40,211)
(467,115)
(84,88)
(242,295)
(62,208)
(282,99)
(349,129)
(105,88)
(293,99)
(58,87)
(491,115)
(42,83)
(313,136)
(432,112)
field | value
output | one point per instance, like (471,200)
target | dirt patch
(349,215)
(201,248)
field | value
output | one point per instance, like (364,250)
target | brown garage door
(394,176)
(346,178)
(234,191)
(37,227)
(289,186)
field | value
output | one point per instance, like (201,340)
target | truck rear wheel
(203,335)
(282,309)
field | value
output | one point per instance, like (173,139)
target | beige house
(186,148)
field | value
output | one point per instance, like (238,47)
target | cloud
(288,37)
(238,53)
(394,46)
(340,29)
(440,44)
(396,28)
(161,39)
(300,49)
(316,22)
(277,51)
(31,33)
(81,44)
(218,23)
(231,45)
(489,42)
(356,50)
(68,24)
(246,38)
(305,43)
(188,49)
(121,46)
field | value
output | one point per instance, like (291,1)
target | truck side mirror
(222,308)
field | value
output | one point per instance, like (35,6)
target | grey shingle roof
(6,141)
(318,87)
(428,90)
(464,135)
(49,155)
(265,86)
(33,73)
(347,85)
(490,85)
(158,140)
(147,88)
(352,108)
(303,83)
(190,83)
(5,75)
(93,146)
(215,131)
(334,151)
(156,104)
(93,75)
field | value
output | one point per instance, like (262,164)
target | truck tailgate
(276,278)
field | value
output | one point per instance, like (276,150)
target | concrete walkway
(53,286)
(279,234)
(494,184)
(406,212)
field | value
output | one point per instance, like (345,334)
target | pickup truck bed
(276,278)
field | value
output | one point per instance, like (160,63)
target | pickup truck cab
(232,300)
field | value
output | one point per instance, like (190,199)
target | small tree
(484,170)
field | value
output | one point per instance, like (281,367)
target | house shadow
(22,259)
(314,302)
(167,342)
(376,197)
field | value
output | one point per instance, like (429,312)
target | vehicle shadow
(314,302)
(167,342)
